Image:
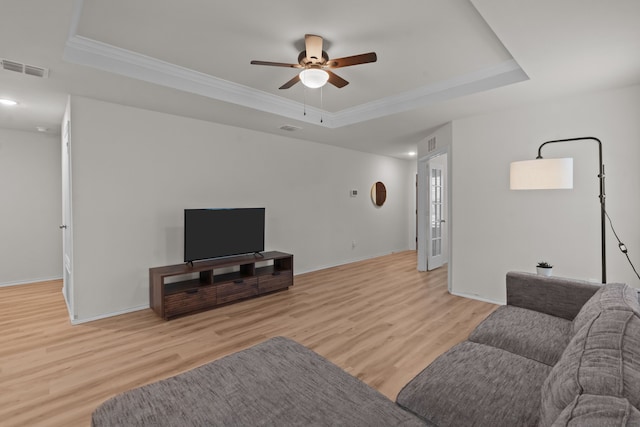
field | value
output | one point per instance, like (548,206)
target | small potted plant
(544,268)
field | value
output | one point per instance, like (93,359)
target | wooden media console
(176,290)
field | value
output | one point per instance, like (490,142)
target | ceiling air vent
(290,128)
(30,70)
(431,144)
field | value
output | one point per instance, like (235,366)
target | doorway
(67,240)
(433,211)
(436,229)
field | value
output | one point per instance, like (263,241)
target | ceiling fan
(316,65)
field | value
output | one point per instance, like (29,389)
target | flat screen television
(215,233)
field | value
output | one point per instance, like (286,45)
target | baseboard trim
(104,316)
(350,261)
(477,297)
(30,281)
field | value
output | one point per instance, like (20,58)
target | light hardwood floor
(380,320)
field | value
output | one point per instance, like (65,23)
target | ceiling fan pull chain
(321,104)
(304,97)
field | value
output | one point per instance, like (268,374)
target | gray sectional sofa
(562,352)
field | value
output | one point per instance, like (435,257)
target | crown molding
(85,51)
(105,57)
(493,77)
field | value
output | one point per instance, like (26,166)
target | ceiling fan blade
(276,64)
(291,82)
(313,46)
(353,60)
(336,80)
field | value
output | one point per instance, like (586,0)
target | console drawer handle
(239,281)
(276,273)
(191,291)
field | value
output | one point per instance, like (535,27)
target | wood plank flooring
(381,320)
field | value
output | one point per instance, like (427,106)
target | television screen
(214,233)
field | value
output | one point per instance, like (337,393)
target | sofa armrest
(556,296)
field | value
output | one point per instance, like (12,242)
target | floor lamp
(544,174)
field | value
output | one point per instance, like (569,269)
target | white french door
(436,230)
(67,240)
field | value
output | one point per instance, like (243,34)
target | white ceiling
(437,61)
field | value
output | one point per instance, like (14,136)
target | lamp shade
(542,174)
(314,78)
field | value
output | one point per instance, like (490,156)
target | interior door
(436,223)
(67,241)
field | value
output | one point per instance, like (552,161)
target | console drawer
(189,300)
(276,280)
(237,289)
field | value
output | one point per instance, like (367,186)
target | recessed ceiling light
(7,102)
(42,128)
(290,128)
(411,153)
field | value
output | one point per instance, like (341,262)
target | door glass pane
(436,211)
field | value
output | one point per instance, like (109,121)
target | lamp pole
(601,196)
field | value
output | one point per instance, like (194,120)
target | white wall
(497,230)
(31,248)
(135,171)
(412,176)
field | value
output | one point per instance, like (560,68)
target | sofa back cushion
(589,410)
(612,296)
(556,296)
(603,358)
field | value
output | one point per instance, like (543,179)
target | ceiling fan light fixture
(314,77)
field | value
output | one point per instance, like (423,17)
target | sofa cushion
(528,333)
(588,410)
(476,384)
(612,296)
(603,358)
(275,383)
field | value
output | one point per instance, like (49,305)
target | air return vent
(18,67)
(431,144)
